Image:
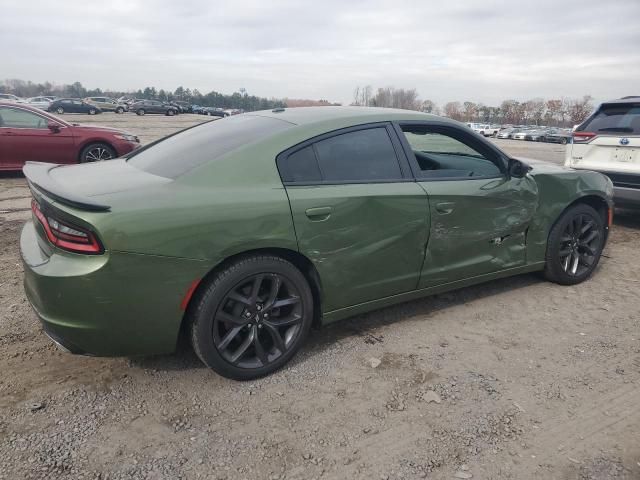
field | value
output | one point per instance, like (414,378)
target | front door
(358,215)
(28,138)
(479,215)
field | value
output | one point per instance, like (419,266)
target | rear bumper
(115,304)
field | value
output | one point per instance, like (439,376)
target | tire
(170,113)
(59,110)
(119,110)
(140,111)
(251,348)
(564,141)
(92,111)
(570,234)
(95,152)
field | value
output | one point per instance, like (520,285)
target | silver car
(39,102)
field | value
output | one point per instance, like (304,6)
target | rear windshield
(179,153)
(615,119)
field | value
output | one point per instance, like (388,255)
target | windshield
(614,118)
(190,148)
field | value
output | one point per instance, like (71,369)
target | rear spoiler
(37,174)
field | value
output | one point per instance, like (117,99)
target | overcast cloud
(456,50)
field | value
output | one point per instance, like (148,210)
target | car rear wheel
(96,152)
(563,141)
(92,111)
(119,110)
(59,110)
(575,245)
(252,317)
(170,113)
(140,111)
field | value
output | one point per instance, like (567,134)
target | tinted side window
(615,119)
(363,155)
(300,166)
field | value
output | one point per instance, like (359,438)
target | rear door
(25,136)
(479,216)
(358,214)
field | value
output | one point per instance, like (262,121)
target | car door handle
(445,208)
(318,214)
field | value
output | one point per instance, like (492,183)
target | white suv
(609,142)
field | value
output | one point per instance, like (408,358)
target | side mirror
(54,127)
(518,169)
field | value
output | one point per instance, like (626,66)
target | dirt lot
(515,379)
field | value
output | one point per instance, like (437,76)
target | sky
(479,50)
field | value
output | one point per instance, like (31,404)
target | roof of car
(356,115)
(628,99)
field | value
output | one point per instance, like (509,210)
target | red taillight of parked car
(583,137)
(66,236)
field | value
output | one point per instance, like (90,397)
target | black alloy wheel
(580,243)
(575,245)
(258,320)
(252,317)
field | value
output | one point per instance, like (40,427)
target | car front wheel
(575,245)
(119,110)
(92,111)
(140,111)
(252,317)
(96,152)
(59,110)
(170,113)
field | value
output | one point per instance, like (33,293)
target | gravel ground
(514,379)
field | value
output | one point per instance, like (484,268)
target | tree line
(553,112)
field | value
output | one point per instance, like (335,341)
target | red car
(30,134)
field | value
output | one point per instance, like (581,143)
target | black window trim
(406,174)
(501,161)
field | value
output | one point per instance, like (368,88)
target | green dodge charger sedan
(246,231)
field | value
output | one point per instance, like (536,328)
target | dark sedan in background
(153,106)
(73,105)
(558,135)
(30,134)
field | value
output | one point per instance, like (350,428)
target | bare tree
(453,110)
(580,108)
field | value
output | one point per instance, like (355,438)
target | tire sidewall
(209,300)
(553,268)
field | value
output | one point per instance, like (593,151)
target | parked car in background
(213,112)
(609,142)
(243,232)
(186,107)
(558,135)
(73,105)
(7,97)
(196,109)
(39,102)
(30,134)
(107,104)
(507,132)
(536,134)
(153,106)
(485,129)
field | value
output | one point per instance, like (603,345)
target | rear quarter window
(186,150)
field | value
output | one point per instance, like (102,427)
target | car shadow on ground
(627,218)
(360,325)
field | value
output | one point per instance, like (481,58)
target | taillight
(583,137)
(65,235)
